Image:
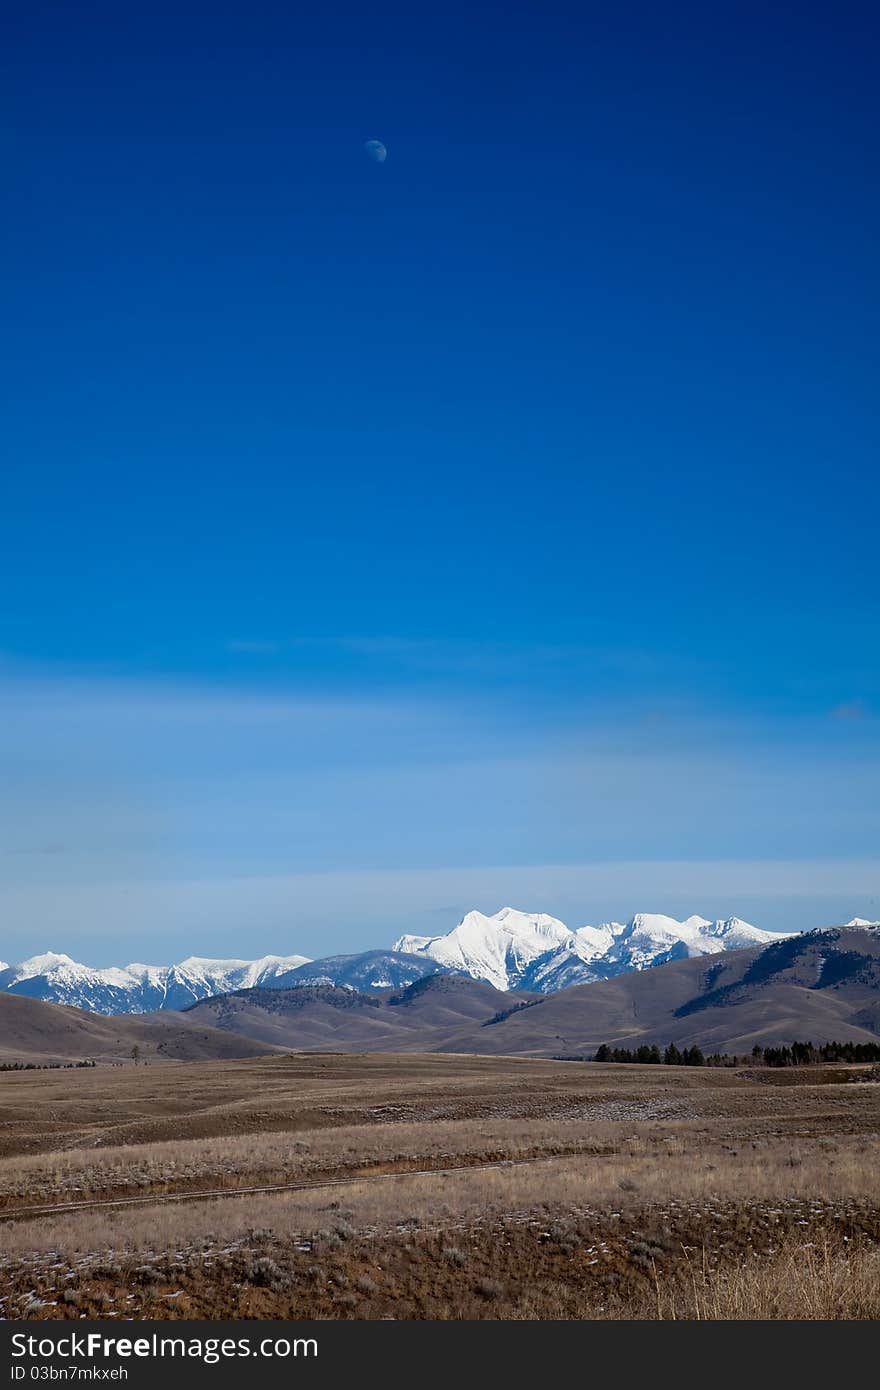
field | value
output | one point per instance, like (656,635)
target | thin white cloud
(281,811)
(322,913)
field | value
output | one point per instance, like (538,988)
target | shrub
(452,1255)
(489,1288)
(263,1271)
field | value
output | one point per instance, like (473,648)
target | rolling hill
(818,986)
(39,1033)
(433,1011)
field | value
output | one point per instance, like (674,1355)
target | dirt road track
(209,1194)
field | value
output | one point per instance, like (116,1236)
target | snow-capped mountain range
(137,989)
(511,950)
(529,950)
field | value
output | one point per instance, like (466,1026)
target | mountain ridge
(821,986)
(516,950)
(56,978)
(510,950)
(818,986)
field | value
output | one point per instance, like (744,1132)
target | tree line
(672,1056)
(804,1054)
(42,1066)
(798,1054)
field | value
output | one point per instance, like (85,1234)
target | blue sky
(493,524)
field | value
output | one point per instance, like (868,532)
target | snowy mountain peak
(523,950)
(861,922)
(200,964)
(654,923)
(42,964)
(509,949)
(496,949)
(138,988)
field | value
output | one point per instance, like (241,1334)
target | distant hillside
(818,986)
(434,1010)
(32,1031)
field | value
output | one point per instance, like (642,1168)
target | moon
(376,151)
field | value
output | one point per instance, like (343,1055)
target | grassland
(439,1186)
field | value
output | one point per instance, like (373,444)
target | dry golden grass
(801,1282)
(622,1192)
(287,1157)
(439,1201)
